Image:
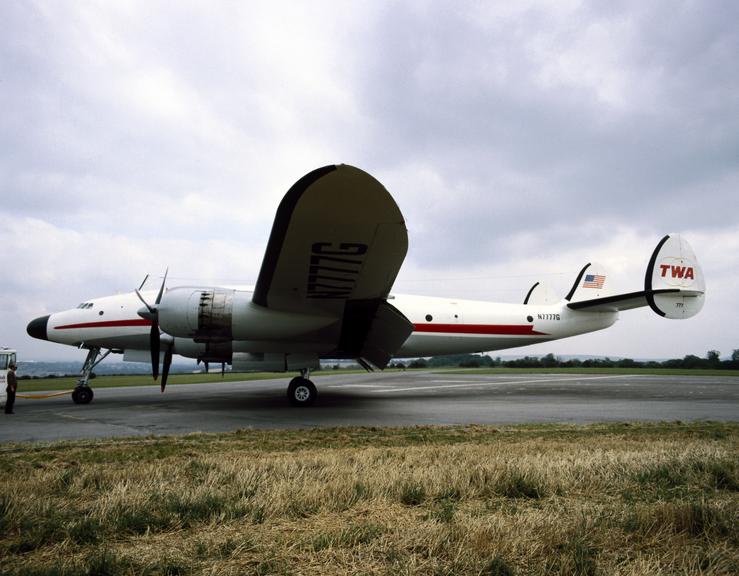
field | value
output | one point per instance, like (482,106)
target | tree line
(712,361)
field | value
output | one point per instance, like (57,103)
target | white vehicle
(324,291)
(7,357)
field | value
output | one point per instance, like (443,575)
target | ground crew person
(10,389)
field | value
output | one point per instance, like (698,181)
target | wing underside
(337,244)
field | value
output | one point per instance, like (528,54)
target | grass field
(584,500)
(46,384)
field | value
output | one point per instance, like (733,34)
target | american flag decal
(593,281)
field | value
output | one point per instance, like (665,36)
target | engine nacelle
(203,314)
(222,315)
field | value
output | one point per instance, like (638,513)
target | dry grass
(607,499)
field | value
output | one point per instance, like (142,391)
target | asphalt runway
(376,399)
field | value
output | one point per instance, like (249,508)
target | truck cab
(7,357)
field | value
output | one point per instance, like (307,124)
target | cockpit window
(85,306)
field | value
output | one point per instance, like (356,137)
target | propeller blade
(161,289)
(149,308)
(154,346)
(165,367)
(144,282)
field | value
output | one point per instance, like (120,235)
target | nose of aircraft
(37,328)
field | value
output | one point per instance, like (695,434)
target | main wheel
(82,395)
(301,392)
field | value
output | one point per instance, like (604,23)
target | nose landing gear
(83,394)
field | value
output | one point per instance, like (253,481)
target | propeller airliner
(324,291)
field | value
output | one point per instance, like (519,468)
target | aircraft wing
(336,247)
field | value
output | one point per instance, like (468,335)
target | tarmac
(376,399)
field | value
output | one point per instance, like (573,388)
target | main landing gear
(301,391)
(82,394)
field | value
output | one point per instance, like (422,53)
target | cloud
(519,140)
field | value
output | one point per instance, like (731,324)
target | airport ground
(379,399)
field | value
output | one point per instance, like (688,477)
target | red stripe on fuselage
(106,324)
(488,329)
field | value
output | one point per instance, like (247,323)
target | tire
(301,392)
(82,395)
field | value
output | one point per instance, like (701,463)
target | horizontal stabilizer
(614,303)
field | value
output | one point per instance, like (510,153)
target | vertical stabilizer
(592,283)
(674,267)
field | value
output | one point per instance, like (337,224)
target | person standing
(10,389)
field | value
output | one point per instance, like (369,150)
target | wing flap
(373,330)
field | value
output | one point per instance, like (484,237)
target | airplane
(324,292)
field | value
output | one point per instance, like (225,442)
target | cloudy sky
(521,140)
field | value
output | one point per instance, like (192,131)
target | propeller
(152,313)
(167,363)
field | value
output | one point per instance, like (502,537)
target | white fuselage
(441,326)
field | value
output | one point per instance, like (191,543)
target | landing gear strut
(82,394)
(301,391)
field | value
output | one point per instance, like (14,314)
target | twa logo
(676,272)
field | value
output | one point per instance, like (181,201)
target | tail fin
(592,283)
(541,294)
(674,283)
(673,286)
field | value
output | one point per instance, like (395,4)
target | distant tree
(714,358)
(735,355)
(418,363)
(692,361)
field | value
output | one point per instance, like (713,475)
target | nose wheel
(301,392)
(82,395)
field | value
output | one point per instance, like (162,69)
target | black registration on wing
(334,269)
